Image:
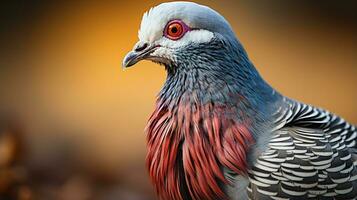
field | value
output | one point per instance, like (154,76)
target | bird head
(174,32)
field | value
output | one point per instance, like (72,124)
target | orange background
(61,76)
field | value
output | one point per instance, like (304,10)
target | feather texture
(313,156)
(189,146)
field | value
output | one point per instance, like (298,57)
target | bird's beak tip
(124,65)
(129,60)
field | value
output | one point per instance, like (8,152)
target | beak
(140,52)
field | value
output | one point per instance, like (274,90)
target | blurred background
(71,121)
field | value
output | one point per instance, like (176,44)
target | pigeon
(220,131)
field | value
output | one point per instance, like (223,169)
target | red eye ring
(175,29)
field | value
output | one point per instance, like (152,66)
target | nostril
(141,47)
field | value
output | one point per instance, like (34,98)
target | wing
(312,155)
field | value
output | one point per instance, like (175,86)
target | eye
(175,30)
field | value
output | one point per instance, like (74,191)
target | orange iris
(175,30)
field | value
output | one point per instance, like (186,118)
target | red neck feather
(188,147)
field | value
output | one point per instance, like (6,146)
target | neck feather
(204,122)
(190,144)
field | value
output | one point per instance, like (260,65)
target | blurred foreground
(65,179)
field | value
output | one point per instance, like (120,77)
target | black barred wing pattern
(312,155)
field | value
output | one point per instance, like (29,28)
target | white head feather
(204,19)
